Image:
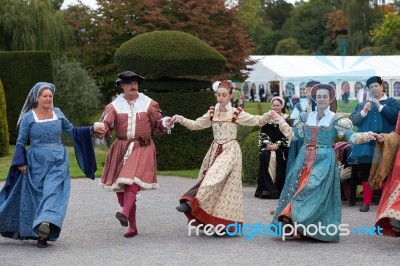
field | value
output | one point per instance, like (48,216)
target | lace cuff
(361,137)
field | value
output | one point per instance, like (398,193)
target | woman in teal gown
(34,200)
(311,195)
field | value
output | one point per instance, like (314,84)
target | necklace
(46,115)
(223,111)
(319,117)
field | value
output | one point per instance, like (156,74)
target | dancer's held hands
(99,128)
(175,119)
(375,136)
(168,122)
(274,116)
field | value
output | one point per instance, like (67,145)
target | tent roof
(296,68)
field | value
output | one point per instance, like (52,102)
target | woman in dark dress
(274,147)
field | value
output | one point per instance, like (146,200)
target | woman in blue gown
(34,199)
(311,195)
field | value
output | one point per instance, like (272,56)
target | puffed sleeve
(298,127)
(109,119)
(156,117)
(198,124)
(285,129)
(246,119)
(344,128)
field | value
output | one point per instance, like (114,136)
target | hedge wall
(19,72)
(183,149)
(4,135)
(250,158)
(160,54)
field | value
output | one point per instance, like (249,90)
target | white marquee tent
(289,74)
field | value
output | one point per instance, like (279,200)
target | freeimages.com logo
(281,230)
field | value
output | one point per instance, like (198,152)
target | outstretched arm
(198,124)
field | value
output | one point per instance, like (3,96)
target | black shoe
(364,208)
(122,219)
(273,196)
(395,224)
(44,230)
(269,195)
(41,243)
(184,207)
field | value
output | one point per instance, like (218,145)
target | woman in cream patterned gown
(217,197)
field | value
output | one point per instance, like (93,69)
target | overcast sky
(92,3)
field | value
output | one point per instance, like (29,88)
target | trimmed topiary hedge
(181,85)
(250,158)
(183,149)
(4,135)
(160,54)
(19,72)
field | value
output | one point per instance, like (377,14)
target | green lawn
(184,173)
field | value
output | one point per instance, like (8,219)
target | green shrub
(160,54)
(76,94)
(250,158)
(173,85)
(4,135)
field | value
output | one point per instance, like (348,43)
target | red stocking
(129,202)
(367,193)
(132,230)
(120,196)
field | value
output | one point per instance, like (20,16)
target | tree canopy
(32,26)
(102,31)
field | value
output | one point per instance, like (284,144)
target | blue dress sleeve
(84,150)
(82,139)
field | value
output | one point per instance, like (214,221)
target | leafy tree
(32,25)
(262,22)
(361,15)
(249,11)
(77,94)
(276,12)
(4,135)
(56,4)
(337,25)
(102,31)
(266,40)
(387,35)
(210,21)
(307,24)
(396,5)
(288,46)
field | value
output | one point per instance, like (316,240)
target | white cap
(215,85)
